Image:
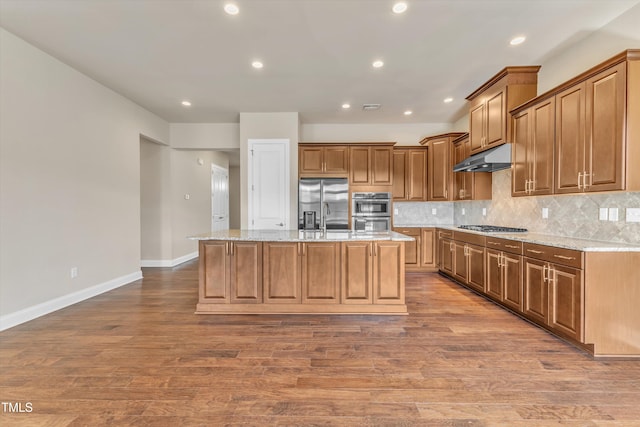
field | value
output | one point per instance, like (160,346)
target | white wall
(403,134)
(205,136)
(69,182)
(264,126)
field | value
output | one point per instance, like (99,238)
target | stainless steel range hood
(492,160)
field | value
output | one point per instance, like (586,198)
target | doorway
(219,198)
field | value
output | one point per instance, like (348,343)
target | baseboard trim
(13,319)
(168,262)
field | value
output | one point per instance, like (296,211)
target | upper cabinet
(588,127)
(371,165)
(440,169)
(468,185)
(489,122)
(316,160)
(409,174)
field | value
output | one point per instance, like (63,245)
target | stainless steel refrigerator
(328,197)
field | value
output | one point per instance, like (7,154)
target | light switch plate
(464,212)
(613,214)
(545,213)
(484,211)
(633,215)
(434,211)
(604,214)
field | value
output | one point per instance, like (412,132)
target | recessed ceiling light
(186,103)
(231,8)
(257,64)
(346,106)
(408,113)
(377,64)
(447,100)
(399,7)
(517,40)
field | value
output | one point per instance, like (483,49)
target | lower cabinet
(282,272)
(446,255)
(468,264)
(504,278)
(320,272)
(420,254)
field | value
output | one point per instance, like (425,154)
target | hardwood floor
(139,356)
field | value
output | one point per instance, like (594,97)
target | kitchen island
(301,272)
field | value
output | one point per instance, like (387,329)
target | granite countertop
(299,236)
(584,245)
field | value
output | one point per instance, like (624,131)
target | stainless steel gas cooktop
(493,229)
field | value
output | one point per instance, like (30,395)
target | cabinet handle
(534,251)
(544,273)
(512,246)
(551,272)
(226,248)
(579,183)
(500,259)
(451,246)
(563,257)
(375,249)
(586,175)
(493,243)
(231,248)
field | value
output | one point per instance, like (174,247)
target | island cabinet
(323,160)
(504,272)
(440,169)
(371,165)
(409,174)
(468,185)
(489,122)
(420,254)
(320,272)
(282,272)
(230,272)
(373,272)
(533,149)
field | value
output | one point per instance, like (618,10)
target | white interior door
(268,184)
(219,198)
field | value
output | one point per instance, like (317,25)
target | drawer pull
(512,246)
(564,257)
(534,251)
(494,243)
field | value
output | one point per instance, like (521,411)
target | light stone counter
(299,236)
(583,245)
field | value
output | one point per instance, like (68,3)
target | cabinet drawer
(560,256)
(475,239)
(504,245)
(409,231)
(446,234)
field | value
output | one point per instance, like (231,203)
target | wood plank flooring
(139,356)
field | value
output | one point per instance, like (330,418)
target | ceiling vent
(370,107)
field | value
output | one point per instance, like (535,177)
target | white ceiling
(317,53)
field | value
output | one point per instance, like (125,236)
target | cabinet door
(520,147)
(495,118)
(475,275)
(310,161)
(494,274)
(214,271)
(460,262)
(359,165)
(281,272)
(388,272)
(446,253)
(320,272)
(606,100)
(381,166)
(400,175)
(476,128)
(411,249)
(440,169)
(427,247)
(542,146)
(566,301)
(336,160)
(459,178)
(357,272)
(512,281)
(246,272)
(570,142)
(416,177)
(536,293)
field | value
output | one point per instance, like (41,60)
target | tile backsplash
(568,215)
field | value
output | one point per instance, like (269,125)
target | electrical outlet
(395,211)
(464,212)
(633,215)
(74,272)
(603,214)
(484,211)
(434,211)
(613,214)
(545,213)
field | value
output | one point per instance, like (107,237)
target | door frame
(217,168)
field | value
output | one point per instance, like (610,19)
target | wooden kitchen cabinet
(468,185)
(315,160)
(231,272)
(489,122)
(469,260)
(371,165)
(440,168)
(504,272)
(428,248)
(281,272)
(320,272)
(444,253)
(357,273)
(420,254)
(533,149)
(409,174)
